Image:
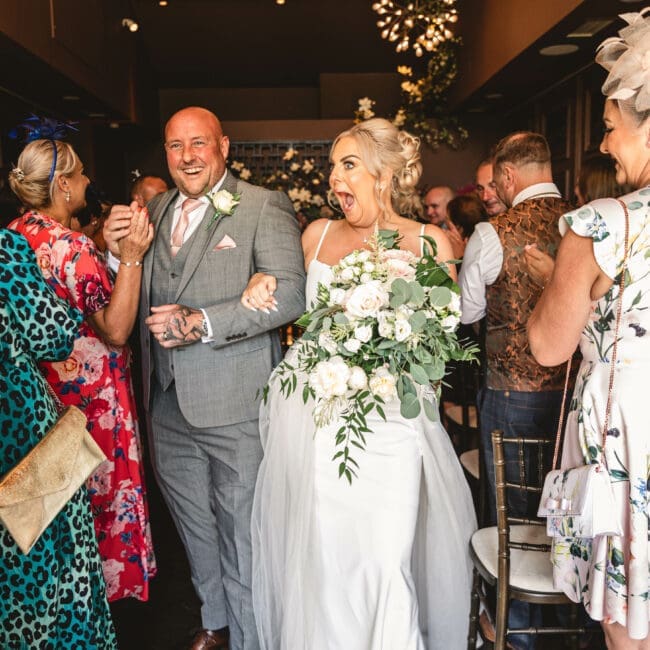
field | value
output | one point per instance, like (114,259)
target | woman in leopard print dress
(55,596)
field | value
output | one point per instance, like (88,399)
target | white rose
(352,345)
(450,322)
(385,324)
(365,277)
(330,378)
(367,299)
(223,201)
(358,379)
(337,296)
(454,305)
(363,333)
(402,330)
(347,274)
(382,384)
(363,256)
(403,312)
(326,342)
(368,267)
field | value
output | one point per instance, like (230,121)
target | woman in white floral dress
(609,574)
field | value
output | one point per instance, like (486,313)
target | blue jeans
(518,415)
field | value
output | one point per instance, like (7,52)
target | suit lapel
(204,235)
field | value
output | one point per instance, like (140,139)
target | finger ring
(165,336)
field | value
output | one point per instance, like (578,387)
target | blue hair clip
(46,128)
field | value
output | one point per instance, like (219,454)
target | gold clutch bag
(35,490)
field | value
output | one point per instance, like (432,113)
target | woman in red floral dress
(49,180)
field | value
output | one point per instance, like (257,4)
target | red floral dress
(97,379)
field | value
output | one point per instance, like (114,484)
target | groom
(206,358)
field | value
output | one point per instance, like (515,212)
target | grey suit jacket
(219,383)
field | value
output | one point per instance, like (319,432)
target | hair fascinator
(627,59)
(43,128)
(37,128)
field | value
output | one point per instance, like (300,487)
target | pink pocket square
(226,242)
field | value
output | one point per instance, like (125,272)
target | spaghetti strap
(424,225)
(320,241)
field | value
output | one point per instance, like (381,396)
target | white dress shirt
(483,257)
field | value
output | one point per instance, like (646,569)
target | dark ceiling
(257,43)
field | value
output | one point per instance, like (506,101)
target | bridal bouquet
(382,330)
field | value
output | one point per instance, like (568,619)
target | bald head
(146,187)
(435,203)
(196,150)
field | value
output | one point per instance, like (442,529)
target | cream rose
(358,379)
(382,384)
(366,300)
(223,201)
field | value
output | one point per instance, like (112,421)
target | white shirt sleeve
(482,263)
(112,262)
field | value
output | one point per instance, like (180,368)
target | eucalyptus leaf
(410,406)
(419,374)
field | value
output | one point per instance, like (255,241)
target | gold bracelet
(136,263)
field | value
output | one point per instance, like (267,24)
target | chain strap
(57,402)
(612,363)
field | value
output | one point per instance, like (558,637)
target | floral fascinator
(627,58)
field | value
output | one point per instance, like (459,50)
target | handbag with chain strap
(579,502)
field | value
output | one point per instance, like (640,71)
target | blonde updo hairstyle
(30,179)
(383,146)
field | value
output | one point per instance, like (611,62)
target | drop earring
(67,196)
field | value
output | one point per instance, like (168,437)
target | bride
(382,563)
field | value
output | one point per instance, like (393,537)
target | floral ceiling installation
(424,110)
(426,22)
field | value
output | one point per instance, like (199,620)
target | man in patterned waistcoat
(520,397)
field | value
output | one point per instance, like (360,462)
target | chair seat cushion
(529,570)
(469,460)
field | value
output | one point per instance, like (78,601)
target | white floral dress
(610,573)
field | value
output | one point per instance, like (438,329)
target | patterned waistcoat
(511,299)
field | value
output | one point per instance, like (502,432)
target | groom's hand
(175,325)
(117,225)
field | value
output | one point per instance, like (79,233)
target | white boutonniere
(224,204)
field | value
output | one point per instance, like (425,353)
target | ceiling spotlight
(279,2)
(130,24)
(163,3)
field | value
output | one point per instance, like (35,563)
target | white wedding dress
(382,564)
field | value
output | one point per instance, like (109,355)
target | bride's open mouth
(346,200)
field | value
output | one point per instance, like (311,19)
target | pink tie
(179,231)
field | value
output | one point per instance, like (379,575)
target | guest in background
(487,189)
(90,219)
(609,573)
(50,182)
(435,205)
(145,188)
(597,180)
(520,397)
(463,213)
(54,597)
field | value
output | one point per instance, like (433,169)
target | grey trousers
(207,477)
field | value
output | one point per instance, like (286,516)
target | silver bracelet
(136,263)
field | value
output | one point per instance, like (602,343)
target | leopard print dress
(54,597)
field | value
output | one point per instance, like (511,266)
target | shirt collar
(204,198)
(537,191)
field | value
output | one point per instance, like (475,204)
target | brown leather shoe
(210,640)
